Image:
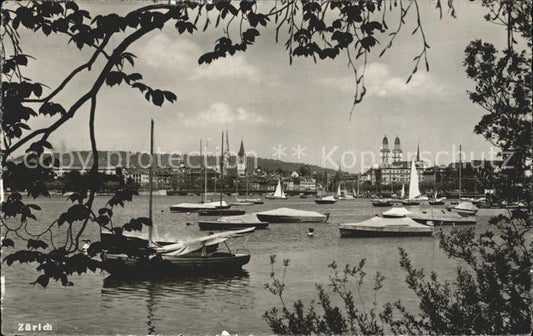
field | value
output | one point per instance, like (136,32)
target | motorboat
(378,202)
(396,213)
(195,207)
(326,200)
(287,215)
(385,227)
(233,222)
(221,212)
(465,209)
(441,217)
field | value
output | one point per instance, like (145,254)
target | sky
(298,112)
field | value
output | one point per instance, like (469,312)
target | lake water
(97,304)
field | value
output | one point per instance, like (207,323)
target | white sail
(402,194)
(1,190)
(338,190)
(279,192)
(413,182)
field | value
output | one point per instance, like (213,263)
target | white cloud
(221,113)
(381,82)
(234,67)
(163,52)
(181,54)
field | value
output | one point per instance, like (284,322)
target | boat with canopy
(326,200)
(441,217)
(233,223)
(287,215)
(385,227)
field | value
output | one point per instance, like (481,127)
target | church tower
(385,152)
(241,161)
(397,153)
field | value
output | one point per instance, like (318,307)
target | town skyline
(303,104)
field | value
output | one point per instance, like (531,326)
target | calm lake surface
(98,304)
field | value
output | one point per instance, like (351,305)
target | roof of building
(241,150)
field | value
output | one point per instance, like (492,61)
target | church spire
(241,150)
(418,152)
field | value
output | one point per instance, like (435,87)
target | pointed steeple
(241,150)
(418,152)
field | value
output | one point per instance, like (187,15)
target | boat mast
(460,169)
(205,169)
(150,179)
(222,170)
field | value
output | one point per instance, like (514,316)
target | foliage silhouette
(316,29)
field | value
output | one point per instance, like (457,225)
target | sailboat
(221,210)
(204,205)
(436,200)
(138,253)
(278,193)
(414,191)
(345,196)
(329,199)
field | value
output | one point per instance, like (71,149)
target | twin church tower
(385,153)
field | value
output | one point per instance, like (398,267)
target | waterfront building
(392,169)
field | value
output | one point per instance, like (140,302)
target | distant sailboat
(414,191)
(437,200)
(278,193)
(338,194)
(402,193)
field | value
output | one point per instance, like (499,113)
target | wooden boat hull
(121,264)
(291,219)
(221,212)
(241,203)
(215,225)
(410,202)
(382,204)
(443,220)
(175,208)
(319,201)
(436,202)
(382,232)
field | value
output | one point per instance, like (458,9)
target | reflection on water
(190,296)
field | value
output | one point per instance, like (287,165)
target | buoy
(310,232)
(188,223)
(188,213)
(225,333)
